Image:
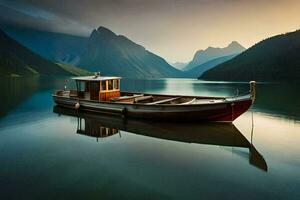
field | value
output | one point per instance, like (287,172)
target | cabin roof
(95,78)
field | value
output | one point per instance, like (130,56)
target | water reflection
(279,99)
(90,127)
(221,134)
(15,91)
(273,98)
(52,157)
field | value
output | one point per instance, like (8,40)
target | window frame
(101,84)
(116,84)
(110,85)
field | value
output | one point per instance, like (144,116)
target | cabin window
(81,124)
(116,84)
(103,85)
(81,86)
(110,84)
(102,129)
(87,88)
(94,86)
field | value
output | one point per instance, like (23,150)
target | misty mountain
(202,56)
(273,59)
(199,70)
(52,46)
(113,54)
(17,60)
(179,65)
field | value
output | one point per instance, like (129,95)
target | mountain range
(102,51)
(31,52)
(273,59)
(202,56)
(179,65)
(56,47)
(113,54)
(17,60)
(199,70)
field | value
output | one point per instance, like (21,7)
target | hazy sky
(174,29)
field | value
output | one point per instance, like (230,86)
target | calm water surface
(61,155)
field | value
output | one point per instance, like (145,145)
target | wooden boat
(210,133)
(102,94)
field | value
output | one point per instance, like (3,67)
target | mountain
(273,59)
(56,47)
(179,65)
(76,71)
(202,56)
(113,54)
(17,60)
(199,70)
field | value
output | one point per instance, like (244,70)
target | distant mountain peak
(272,59)
(209,49)
(179,65)
(202,56)
(235,44)
(114,54)
(103,30)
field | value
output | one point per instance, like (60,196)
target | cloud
(111,13)
(33,17)
(174,29)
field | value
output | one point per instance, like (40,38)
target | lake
(50,153)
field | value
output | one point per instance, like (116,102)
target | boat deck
(148,99)
(103,95)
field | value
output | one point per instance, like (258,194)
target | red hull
(234,111)
(223,112)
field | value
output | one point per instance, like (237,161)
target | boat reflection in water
(91,127)
(221,134)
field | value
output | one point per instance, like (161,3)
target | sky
(173,29)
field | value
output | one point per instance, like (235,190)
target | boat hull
(226,111)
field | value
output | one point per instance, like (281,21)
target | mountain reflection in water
(221,134)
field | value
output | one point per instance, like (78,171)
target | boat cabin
(91,127)
(99,88)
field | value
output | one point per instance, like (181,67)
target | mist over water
(43,155)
